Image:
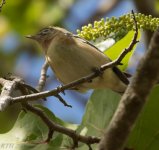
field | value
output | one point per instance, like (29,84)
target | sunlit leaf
(114,51)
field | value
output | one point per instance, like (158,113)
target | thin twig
(89,146)
(30,89)
(1,5)
(43,76)
(50,134)
(62,101)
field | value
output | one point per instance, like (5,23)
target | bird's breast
(67,63)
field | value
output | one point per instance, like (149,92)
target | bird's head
(46,35)
(43,34)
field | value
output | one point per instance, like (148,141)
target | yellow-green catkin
(117,27)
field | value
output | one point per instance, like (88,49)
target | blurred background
(24,57)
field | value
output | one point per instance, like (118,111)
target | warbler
(72,58)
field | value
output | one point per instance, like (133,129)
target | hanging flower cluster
(117,27)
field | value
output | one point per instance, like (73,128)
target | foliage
(114,51)
(34,14)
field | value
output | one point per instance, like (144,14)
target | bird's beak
(31,37)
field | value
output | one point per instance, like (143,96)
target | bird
(72,57)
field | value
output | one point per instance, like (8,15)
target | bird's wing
(82,40)
(115,69)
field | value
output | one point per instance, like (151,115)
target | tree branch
(134,99)
(43,76)
(62,101)
(8,89)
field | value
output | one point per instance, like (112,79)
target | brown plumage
(72,57)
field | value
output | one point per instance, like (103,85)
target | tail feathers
(127,75)
(120,75)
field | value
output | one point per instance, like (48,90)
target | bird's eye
(45,31)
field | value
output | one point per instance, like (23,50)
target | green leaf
(145,135)
(114,51)
(99,111)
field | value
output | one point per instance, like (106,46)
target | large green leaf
(145,135)
(114,51)
(99,111)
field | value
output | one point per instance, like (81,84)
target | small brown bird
(72,57)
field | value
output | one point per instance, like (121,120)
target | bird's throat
(46,44)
